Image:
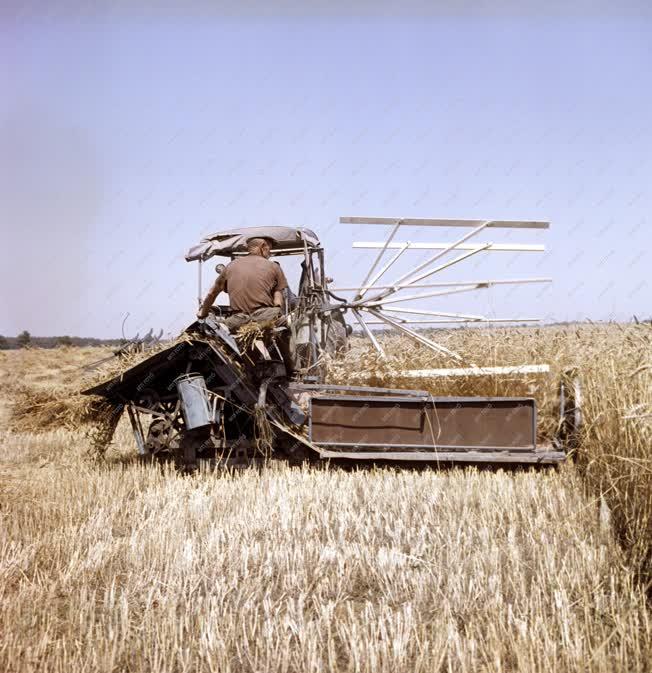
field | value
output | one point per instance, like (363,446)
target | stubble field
(117,566)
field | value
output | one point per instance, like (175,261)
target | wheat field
(113,565)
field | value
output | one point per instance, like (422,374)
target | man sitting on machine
(255,287)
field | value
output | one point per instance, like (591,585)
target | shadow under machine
(213,395)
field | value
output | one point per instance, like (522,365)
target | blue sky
(125,137)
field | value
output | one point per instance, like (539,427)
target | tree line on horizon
(26,340)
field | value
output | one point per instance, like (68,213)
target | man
(255,287)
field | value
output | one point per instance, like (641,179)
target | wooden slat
(543,457)
(450,321)
(369,390)
(424,222)
(493,247)
(472,371)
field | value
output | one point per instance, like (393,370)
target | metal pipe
(199,288)
(320,256)
(452,262)
(427,295)
(428,262)
(451,246)
(449,283)
(443,314)
(322,284)
(369,333)
(137,430)
(426,342)
(382,252)
(308,262)
(382,272)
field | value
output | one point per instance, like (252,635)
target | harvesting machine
(217,396)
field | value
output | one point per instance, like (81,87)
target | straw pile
(42,410)
(57,400)
(251,331)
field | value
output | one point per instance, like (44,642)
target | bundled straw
(105,422)
(251,331)
(263,433)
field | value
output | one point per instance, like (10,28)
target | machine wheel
(164,439)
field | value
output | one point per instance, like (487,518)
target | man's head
(259,246)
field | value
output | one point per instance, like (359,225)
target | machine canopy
(285,241)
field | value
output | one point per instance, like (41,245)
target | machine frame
(207,396)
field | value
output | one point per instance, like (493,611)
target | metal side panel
(391,425)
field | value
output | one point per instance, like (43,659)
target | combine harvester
(217,396)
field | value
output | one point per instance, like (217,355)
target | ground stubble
(121,566)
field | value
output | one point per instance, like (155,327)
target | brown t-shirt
(251,282)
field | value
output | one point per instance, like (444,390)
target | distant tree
(24,339)
(64,341)
(4,344)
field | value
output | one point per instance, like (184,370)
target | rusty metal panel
(362,423)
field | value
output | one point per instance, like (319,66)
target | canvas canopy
(234,241)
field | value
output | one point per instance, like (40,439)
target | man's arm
(218,286)
(281,284)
